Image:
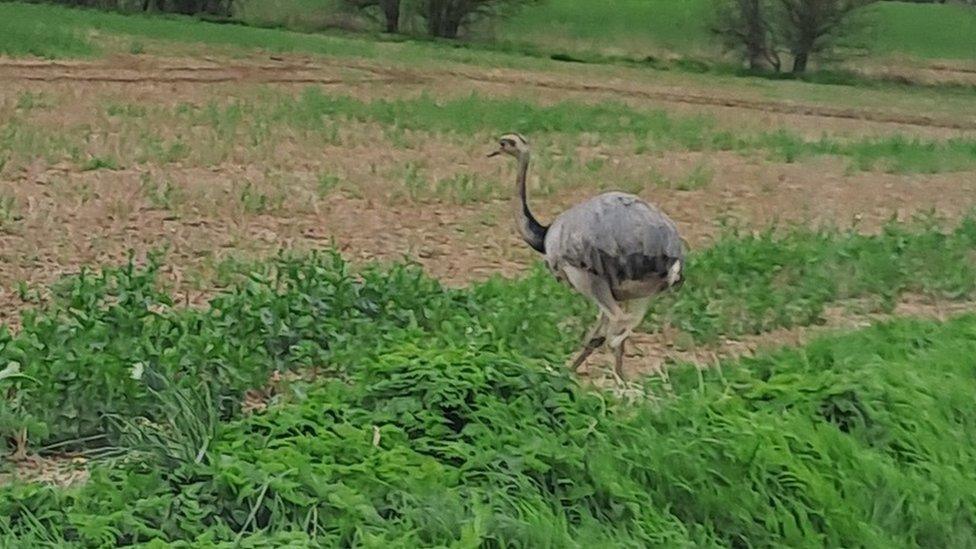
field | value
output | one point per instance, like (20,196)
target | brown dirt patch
(366,75)
(249,202)
(59,470)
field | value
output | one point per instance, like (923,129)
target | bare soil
(369,75)
(64,218)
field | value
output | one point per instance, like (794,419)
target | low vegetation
(218,132)
(404,412)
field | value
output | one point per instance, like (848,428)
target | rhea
(616,249)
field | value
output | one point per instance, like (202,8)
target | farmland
(262,288)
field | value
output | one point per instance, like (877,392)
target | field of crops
(262,289)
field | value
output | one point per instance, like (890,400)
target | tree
(390,10)
(442,18)
(445,18)
(810,26)
(744,25)
(762,29)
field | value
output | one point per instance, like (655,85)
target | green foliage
(440,417)
(108,342)
(857,439)
(99,163)
(758,282)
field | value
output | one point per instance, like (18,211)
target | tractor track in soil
(128,70)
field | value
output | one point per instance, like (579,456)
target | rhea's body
(615,248)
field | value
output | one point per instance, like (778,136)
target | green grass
(631,28)
(29,30)
(446,417)
(63,32)
(476,115)
(644,27)
(626,26)
(933,31)
(81,32)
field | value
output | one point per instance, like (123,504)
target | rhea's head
(511,144)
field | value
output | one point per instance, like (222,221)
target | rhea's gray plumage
(620,238)
(614,248)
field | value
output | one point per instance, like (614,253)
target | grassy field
(261,289)
(938,32)
(633,27)
(638,28)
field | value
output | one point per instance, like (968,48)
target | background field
(638,28)
(262,287)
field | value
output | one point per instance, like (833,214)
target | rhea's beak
(496,153)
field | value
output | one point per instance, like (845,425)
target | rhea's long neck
(532,232)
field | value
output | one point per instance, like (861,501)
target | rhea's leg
(622,327)
(598,290)
(593,340)
(618,363)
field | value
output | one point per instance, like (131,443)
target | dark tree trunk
(800,62)
(444,18)
(391,11)
(755,35)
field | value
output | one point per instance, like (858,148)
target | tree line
(766,34)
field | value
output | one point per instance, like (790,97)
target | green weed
(8,211)
(466,188)
(256,201)
(863,438)
(326,183)
(415,182)
(28,101)
(161,193)
(699,177)
(99,163)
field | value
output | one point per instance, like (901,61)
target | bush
(863,439)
